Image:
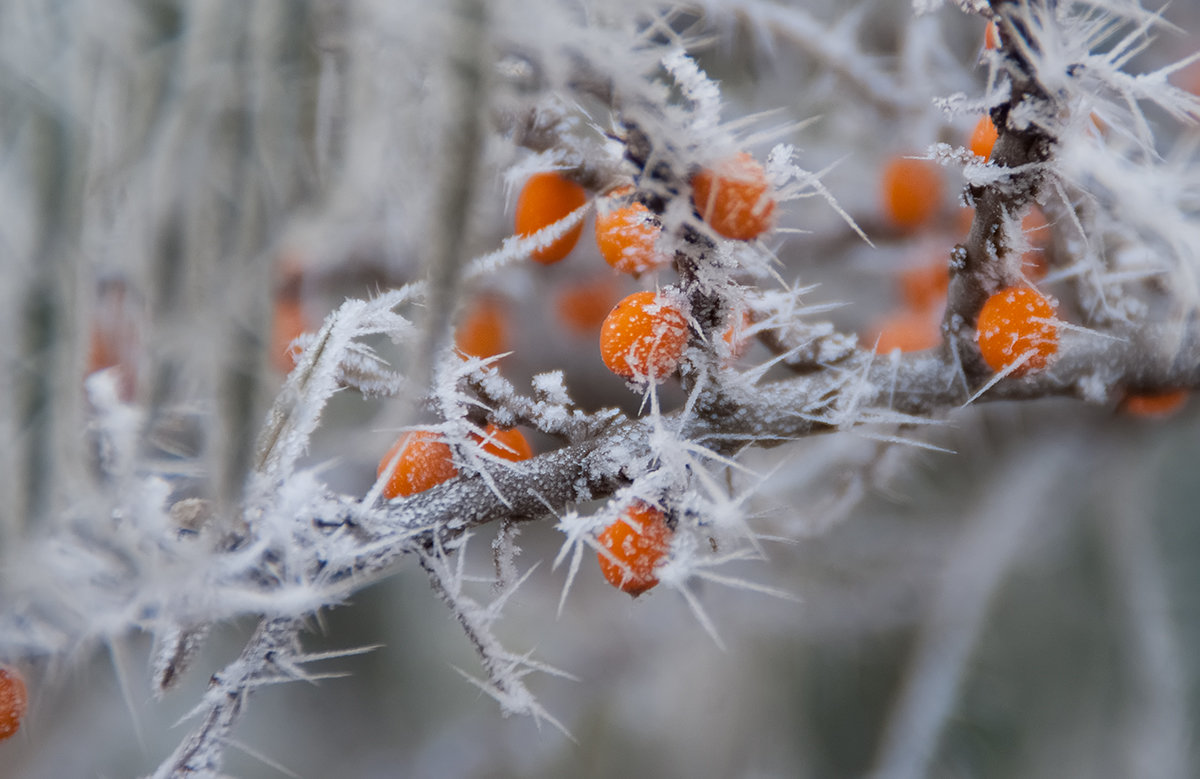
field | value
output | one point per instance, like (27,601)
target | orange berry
(287,324)
(484,330)
(1015,322)
(637,543)
(912,192)
(545,199)
(643,337)
(14,699)
(424,461)
(908,331)
(984,137)
(583,305)
(734,198)
(1152,405)
(924,287)
(626,237)
(507,444)
(991,38)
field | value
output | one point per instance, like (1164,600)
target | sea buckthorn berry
(1013,323)
(908,331)
(912,192)
(626,237)
(423,460)
(583,305)
(734,198)
(545,199)
(924,287)
(643,337)
(991,38)
(635,545)
(506,444)
(14,699)
(984,137)
(1154,405)
(484,330)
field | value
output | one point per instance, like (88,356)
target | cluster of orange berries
(733,197)
(912,194)
(643,336)
(14,700)
(631,548)
(422,459)
(1016,323)
(1016,329)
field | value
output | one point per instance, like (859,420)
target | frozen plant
(189,181)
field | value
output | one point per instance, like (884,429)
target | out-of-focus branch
(263,661)
(833,47)
(976,567)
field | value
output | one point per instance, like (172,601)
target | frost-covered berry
(735,198)
(912,192)
(644,337)
(14,699)
(422,460)
(633,547)
(983,138)
(1017,323)
(545,199)
(506,444)
(627,236)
